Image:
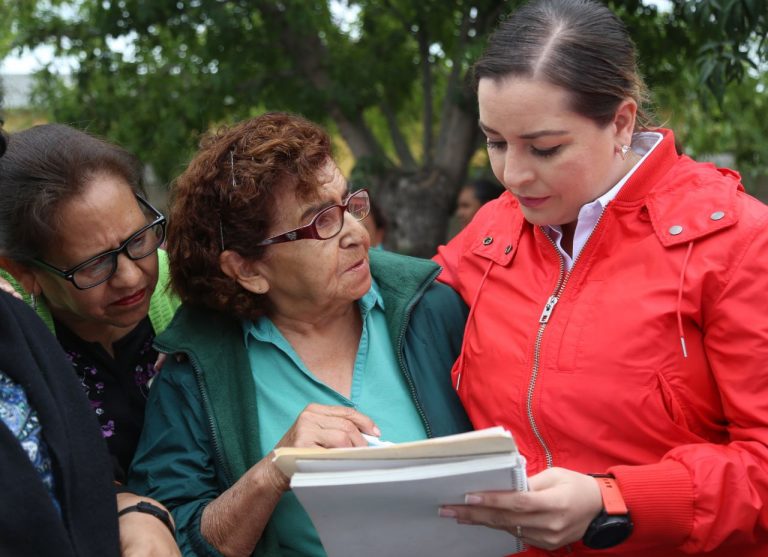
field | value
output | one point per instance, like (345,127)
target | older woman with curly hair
(290,334)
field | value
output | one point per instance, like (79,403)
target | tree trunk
(417,206)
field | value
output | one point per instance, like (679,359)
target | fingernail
(446,513)
(376,431)
(473,499)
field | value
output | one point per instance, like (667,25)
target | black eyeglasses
(100,268)
(328,222)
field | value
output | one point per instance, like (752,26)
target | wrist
(150,509)
(613,524)
(274,478)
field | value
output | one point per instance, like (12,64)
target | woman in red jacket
(619,317)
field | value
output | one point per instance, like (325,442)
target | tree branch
(310,54)
(407,162)
(455,80)
(426,85)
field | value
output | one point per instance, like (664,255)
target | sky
(28,61)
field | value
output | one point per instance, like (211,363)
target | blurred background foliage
(389,78)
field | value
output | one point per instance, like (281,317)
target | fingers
(329,426)
(361,421)
(5,286)
(556,511)
(542,530)
(161,357)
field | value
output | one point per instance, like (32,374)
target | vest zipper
(399,350)
(209,411)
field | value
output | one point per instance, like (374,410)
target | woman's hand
(7,287)
(329,426)
(161,357)
(141,534)
(556,511)
(319,425)
(256,494)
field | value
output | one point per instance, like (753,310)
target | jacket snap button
(717,215)
(487,240)
(507,250)
(675,230)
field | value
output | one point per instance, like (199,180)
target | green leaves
(381,71)
(731,35)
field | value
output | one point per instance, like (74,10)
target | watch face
(607,531)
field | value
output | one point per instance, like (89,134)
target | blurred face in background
(466,206)
(375,233)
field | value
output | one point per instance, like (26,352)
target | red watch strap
(613,502)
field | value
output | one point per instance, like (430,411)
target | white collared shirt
(643,143)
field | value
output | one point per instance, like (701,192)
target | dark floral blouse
(22,421)
(117,387)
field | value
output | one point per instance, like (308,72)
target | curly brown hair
(225,199)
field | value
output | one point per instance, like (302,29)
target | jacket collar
(497,232)
(684,200)
(401,281)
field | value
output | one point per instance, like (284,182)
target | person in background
(618,322)
(376,225)
(82,242)
(293,334)
(56,480)
(473,196)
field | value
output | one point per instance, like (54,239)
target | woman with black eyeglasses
(293,334)
(82,243)
(65,195)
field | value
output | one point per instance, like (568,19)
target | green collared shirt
(284,387)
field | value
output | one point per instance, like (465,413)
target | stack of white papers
(383,501)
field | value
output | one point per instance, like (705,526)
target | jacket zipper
(399,349)
(212,430)
(206,404)
(546,314)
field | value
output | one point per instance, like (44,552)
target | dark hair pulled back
(579,45)
(43,168)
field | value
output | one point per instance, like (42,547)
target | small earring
(33,301)
(623,152)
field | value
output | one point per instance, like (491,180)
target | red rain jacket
(599,383)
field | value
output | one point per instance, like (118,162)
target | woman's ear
(624,121)
(23,275)
(244,271)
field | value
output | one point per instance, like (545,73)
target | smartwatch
(613,525)
(148,508)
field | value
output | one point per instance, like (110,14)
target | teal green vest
(425,321)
